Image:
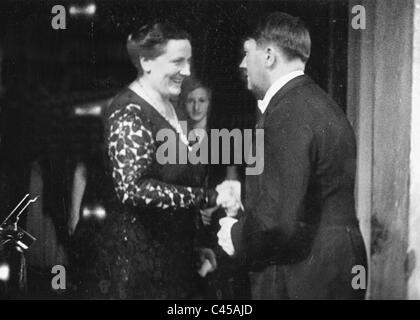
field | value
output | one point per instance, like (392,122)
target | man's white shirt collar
(275,87)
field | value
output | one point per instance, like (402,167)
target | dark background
(46,73)
(53,70)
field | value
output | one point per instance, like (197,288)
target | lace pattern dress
(145,247)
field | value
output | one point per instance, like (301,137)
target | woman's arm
(78,189)
(131,149)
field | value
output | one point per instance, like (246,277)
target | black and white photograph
(210,150)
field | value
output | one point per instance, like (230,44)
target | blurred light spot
(4,272)
(94,110)
(97,212)
(86,212)
(74,10)
(88,10)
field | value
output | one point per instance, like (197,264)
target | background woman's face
(197,104)
(168,71)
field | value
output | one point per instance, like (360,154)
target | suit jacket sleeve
(270,229)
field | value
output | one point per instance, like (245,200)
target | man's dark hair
(150,41)
(287,32)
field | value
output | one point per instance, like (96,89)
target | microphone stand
(18,238)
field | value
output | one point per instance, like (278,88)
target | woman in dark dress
(145,246)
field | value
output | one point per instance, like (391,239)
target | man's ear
(145,64)
(270,57)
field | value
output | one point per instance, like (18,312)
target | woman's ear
(145,65)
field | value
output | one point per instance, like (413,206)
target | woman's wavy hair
(149,41)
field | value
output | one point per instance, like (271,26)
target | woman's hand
(206,215)
(211,195)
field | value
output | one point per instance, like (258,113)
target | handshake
(228,198)
(227,195)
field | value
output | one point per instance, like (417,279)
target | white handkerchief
(229,196)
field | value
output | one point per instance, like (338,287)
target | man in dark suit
(298,233)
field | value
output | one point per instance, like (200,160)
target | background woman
(229,281)
(195,106)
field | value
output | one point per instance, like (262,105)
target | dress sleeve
(131,149)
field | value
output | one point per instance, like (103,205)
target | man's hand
(207,260)
(206,215)
(224,235)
